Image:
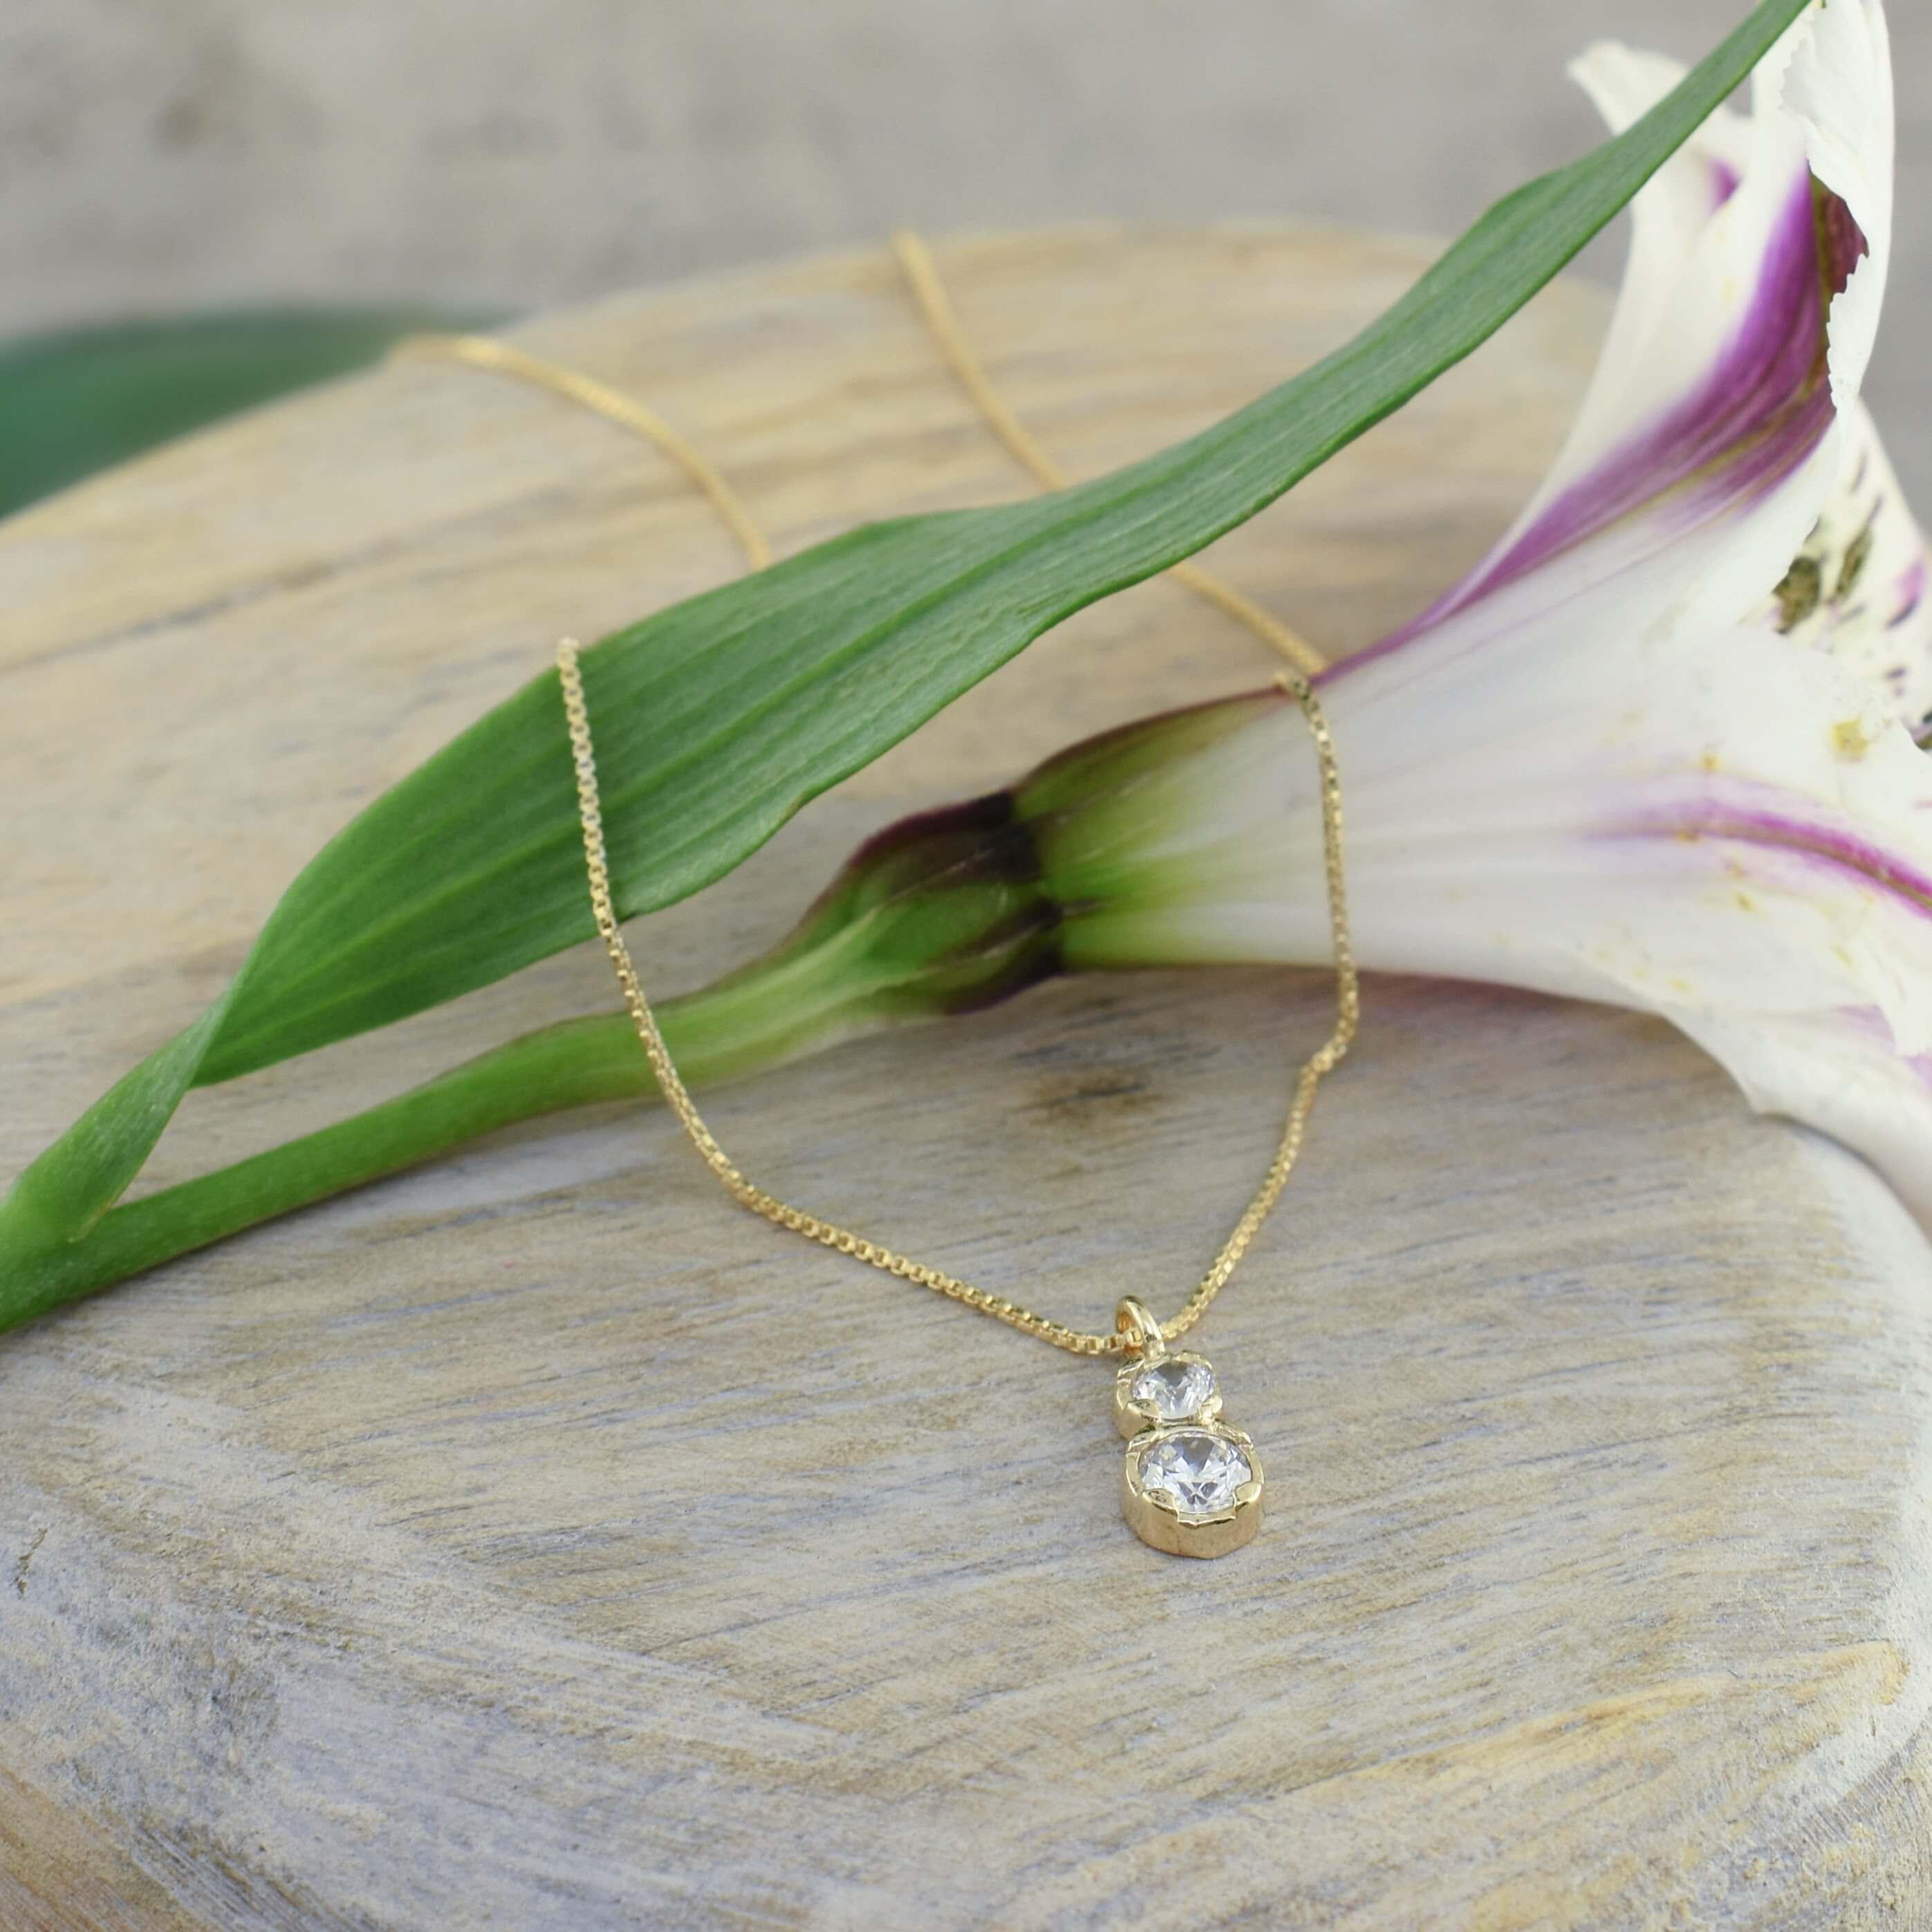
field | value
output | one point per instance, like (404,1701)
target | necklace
(1191,1483)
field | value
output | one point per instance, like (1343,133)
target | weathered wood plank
(536,1541)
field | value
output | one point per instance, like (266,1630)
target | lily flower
(1657,749)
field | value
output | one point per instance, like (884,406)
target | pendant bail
(1133,1318)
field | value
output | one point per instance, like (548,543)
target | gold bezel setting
(1158,1520)
(1153,1512)
(1132,1416)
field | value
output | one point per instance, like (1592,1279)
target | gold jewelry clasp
(1133,1318)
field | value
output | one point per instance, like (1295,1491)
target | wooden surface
(534,1542)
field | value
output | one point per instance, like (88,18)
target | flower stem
(942,912)
(575,1064)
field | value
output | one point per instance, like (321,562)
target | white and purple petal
(1640,754)
(1857,586)
(1714,392)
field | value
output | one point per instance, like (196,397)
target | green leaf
(77,400)
(719,718)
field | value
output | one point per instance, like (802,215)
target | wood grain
(535,1542)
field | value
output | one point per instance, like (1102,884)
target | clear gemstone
(1173,1390)
(1200,1471)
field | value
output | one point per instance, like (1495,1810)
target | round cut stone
(1173,1390)
(1200,1470)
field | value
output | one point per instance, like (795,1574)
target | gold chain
(485,352)
(748,1194)
(935,306)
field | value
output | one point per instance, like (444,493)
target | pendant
(1191,1484)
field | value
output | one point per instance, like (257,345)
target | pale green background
(158,153)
